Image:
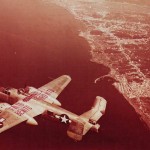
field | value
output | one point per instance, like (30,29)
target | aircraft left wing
(55,87)
(9,119)
(20,112)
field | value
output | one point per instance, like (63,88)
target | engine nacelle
(3,106)
(42,96)
(8,97)
(4,97)
(31,121)
(53,101)
(30,89)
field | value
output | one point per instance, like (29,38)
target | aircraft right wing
(55,87)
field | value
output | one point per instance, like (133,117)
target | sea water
(119,36)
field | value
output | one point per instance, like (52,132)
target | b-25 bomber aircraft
(22,105)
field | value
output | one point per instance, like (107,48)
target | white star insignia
(64,119)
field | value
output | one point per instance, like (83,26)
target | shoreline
(123,86)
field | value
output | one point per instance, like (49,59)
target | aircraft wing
(9,119)
(55,87)
(26,109)
(20,112)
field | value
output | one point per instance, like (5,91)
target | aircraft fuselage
(53,111)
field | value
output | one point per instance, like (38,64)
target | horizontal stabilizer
(78,128)
(97,110)
(87,120)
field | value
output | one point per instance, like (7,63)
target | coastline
(46,43)
(134,85)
